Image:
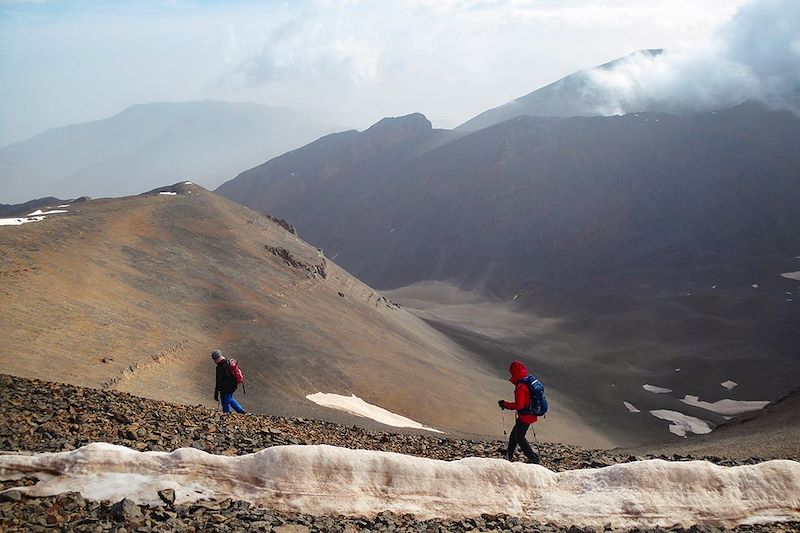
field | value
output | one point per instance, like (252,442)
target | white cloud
(349,63)
(755,55)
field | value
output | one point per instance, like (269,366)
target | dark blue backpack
(538,405)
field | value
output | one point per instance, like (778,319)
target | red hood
(518,371)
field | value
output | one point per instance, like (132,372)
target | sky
(347,62)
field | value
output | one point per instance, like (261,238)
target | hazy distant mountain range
(150,144)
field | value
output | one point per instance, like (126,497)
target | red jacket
(522,396)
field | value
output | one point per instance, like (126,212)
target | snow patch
(754,285)
(726,406)
(356,406)
(729,384)
(40,212)
(326,480)
(167,193)
(682,423)
(792,275)
(656,390)
(63,205)
(18,221)
(631,408)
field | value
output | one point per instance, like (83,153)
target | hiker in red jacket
(522,405)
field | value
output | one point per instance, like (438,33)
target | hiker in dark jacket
(226,384)
(522,405)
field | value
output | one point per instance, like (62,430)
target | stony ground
(40,416)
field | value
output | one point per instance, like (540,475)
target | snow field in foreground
(331,480)
(356,406)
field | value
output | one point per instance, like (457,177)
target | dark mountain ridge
(538,201)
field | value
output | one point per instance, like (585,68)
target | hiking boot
(532,460)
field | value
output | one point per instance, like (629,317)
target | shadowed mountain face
(132,294)
(647,243)
(339,167)
(542,202)
(151,144)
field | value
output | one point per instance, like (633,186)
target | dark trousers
(517,437)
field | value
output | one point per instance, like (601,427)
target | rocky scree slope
(45,416)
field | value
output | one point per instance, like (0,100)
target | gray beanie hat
(216,354)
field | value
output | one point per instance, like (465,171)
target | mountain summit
(575,95)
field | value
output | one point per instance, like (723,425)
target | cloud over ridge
(756,55)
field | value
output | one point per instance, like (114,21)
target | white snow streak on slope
(726,406)
(18,221)
(657,390)
(729,384)
(165,193)
(682,423)
(792,275)
(631,408)
(53,212)
(330,480)
(356,406)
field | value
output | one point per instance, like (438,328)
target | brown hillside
(132,294)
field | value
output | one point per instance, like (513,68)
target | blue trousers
(229,401)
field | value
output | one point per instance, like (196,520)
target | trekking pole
(503,418)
